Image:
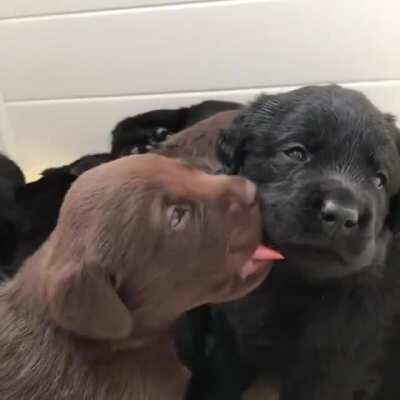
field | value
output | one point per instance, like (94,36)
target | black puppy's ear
(231,145)
(394,215)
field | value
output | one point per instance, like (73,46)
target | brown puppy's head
(142,239)
(197,144)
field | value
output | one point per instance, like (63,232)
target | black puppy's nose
(338,216)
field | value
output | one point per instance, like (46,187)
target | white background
(71,69)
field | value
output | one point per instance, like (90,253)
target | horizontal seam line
(116,10)
(196,92)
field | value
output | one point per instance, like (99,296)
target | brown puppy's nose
(244,193)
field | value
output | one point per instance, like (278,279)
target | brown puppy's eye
(297,153)
(379,180)
(178,216)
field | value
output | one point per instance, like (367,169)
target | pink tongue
(262,253)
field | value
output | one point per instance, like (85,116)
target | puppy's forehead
(151,177)
(147,166)
(337,115)
(156,174)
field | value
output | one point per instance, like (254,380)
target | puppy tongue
(258,260)
(263,253)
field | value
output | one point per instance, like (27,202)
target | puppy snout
(243,194)
(340,213)
(335,213)
(249,193)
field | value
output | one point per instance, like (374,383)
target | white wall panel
(51,133)
(205,46)
(71,69)
(7,136)
(23,8)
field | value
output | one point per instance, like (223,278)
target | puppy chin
(320,263)
(239,286)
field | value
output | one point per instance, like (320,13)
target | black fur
(143,132)
(39,203)
(319,325)
(11,178)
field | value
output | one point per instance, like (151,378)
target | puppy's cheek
(280,221)
(368,254)
(382,246)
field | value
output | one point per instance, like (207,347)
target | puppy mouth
(313,251)
(254,271)
(305,249)
(259,260)
(250,274)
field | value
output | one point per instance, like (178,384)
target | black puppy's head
(327,164)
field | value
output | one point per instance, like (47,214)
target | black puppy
(143,132)
(40,201)
(81,165)
(11,177)
(327,165)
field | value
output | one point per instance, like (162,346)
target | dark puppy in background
(327,165)
(81,165)
(39,203)
(139,241)
(144,132)
(11,178)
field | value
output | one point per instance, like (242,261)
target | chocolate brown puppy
(138,242)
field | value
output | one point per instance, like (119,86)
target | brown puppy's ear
(84,301)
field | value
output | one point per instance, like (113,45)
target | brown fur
(139,241)
(197,144)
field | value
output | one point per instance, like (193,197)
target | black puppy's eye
(297,153)
(380,180)
(179,216)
